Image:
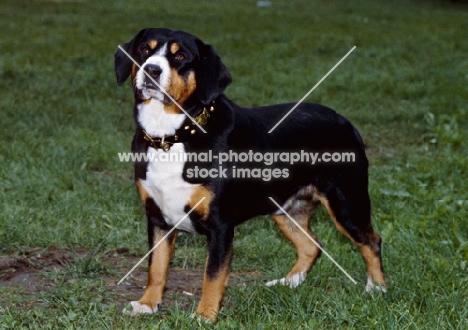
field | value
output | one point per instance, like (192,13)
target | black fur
(311,127)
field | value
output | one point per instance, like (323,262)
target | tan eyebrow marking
(174,48)
(152,43)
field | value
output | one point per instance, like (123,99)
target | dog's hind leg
(307,251)
(351,211)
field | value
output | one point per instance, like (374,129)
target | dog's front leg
(216,272)
(159,262)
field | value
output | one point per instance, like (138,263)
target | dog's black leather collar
(167,141)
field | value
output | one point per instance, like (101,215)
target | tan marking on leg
(204,207)
(157,271)
(174,48)
(307,251)
(340,228)
(373,262)
(213,292)
(142,191)
(371,255)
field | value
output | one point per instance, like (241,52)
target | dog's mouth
(151,91)
(150,86)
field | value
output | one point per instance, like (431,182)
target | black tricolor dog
(194,76)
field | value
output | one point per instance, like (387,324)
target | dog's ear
(211,74)
(122,63)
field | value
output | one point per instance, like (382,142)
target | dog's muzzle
(152,76)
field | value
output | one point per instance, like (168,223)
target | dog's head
(175,61)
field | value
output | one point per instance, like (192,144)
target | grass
(64,120)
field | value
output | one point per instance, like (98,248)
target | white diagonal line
(308,93)
(314,241)
(160,241)
(162,89)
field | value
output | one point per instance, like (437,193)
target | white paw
(201,319)
(294,281)
(138,308)
(371,286)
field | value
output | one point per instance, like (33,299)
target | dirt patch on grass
(26,273)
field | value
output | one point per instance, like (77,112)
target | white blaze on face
(163,81)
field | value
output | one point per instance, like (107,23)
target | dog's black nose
(154,70)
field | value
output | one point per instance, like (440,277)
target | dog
(180,108)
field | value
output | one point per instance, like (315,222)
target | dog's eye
(145,50)
(179,57)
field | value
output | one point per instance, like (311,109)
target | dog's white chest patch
(165,185)
(164,182)
(155,121)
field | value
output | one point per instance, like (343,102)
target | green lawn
(63,121)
